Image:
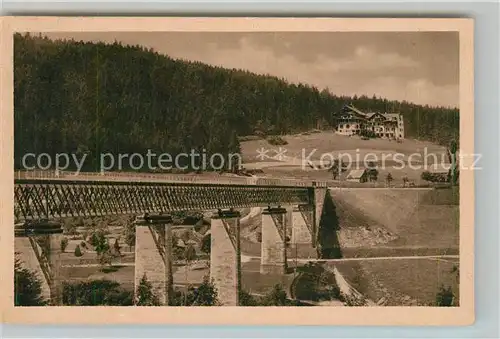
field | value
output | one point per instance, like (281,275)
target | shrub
(78,251)
(96,292)
(276,297)
(64,244)
(27,287)
(83,244)
(306,287)
(276,141)
(246,299)
(205,295)
(433,177)
(178,253)
(249,137)
(351,300)
(444,297)
(315,283)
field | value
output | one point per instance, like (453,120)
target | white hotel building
(384,125)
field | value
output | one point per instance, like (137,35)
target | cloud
(366,59)
(417,67)
(365,72)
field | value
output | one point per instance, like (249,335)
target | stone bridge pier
(38,248)
(273,245)
(225,256)
(153,255)
(302,225)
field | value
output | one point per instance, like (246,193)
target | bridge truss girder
(47,199)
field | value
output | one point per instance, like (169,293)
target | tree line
(94,98)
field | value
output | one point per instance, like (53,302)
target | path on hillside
(247,258)
(434,257)
(347,289)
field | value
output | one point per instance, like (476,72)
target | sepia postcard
(240,171)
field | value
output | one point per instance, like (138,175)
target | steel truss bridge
(60,195)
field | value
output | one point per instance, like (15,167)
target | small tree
(337,168)
(27,287)
(78,251)
(205,295)
(405,181)
(389,179)
(103,250)
(145,295)
(94,239)
(101,244)
(444,297)
(372,171)
(64,244)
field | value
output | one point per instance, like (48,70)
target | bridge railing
(167,178)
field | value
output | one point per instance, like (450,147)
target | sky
(419,67)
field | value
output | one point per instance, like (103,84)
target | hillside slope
(398,218)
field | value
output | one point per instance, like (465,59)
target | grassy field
(316,144)
(124,275)
(403,281)
(327,142)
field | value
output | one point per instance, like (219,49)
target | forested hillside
(85,97)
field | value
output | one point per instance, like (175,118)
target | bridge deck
(166,178)
(96,195)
